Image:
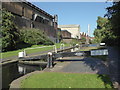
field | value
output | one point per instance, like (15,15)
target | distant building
(59,35)
(73,29)
(28,15)
(84,35)
(66,34)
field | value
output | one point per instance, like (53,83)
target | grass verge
(15,53)
(66,80)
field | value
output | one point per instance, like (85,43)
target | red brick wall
(66,34)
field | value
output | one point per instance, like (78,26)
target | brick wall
(24,17)
(66,34)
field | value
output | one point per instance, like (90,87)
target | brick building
(28,15)
(66,34)
(85,35)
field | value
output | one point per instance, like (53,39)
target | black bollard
(49,60)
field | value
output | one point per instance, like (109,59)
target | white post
(63,46)
(88,33)
(54,48)
(24,53)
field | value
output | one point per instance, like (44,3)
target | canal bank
(13,69)
(61,55)
(17,83)
(76,65)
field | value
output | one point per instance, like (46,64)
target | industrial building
(28,15)
(73,29)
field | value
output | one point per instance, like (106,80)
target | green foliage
(103,33)
(10,34)
(34,37)
(74,42)
(101,27)
(83,40)
(113,14)
(59,35)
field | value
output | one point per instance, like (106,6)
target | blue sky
(82,13)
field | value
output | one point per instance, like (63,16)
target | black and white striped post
(49,60)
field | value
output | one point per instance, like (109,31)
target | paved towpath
(80,65)
(114,63)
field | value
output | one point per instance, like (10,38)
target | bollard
(62,46)
(24,53)
(55,49)
(49,60)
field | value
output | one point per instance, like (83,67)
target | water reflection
(24,69)
(15,70)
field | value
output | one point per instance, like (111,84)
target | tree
(101,28)
(113,13)
(34,37)
(83,40)
(103,33)
(10,34)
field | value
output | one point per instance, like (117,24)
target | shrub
(10,34)
(34,37)
(74,42)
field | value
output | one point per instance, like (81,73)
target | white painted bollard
(21,54)
(55,49)
(62,46)
(49,60)
(24,53)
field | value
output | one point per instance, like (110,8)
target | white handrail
(35,48)
(38,47)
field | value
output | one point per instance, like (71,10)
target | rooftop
(32,5)
(69,26)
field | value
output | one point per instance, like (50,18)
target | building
(85,35)
(59,35)
(28,15)
(66,34)
(73,29)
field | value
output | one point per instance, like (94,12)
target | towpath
(80,65)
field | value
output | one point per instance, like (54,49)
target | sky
(82,13)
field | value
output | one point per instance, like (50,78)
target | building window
(23,11)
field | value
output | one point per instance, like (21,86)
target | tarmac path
(81,65)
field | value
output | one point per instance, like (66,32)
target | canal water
(93,45)
(15,70)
